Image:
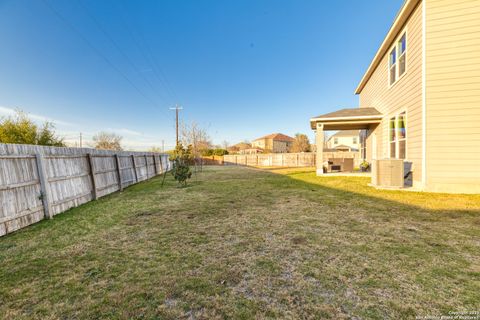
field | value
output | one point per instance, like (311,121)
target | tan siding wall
(453,95)
(259,143)
(405,94)
(272,145)
(281,146)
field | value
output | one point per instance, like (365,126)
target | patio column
(319,144)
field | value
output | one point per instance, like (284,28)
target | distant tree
(107,141)
(225,144)
(196,137)
(214,152)
(21,129)
(207,152)
(220,152)
(155,149)
(301,143)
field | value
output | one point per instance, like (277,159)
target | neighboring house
(420,97)
(251,151)
(346,140)
(275,142)
(239,147)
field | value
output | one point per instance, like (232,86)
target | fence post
(91,168)
(146,165)
(43,186)
(155,164)
(283,160)
(257,159)
(119,171)
(134,167)
(161,163)
(297,159)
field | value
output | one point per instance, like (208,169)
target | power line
(162,73)
(150,60)
(115,44)
(72,27)
(147,59)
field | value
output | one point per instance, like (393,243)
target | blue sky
(241,69)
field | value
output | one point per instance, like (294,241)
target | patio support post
(319,153)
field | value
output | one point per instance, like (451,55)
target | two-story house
(346,140)
(420,97)
(275,142)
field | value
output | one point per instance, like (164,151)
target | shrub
(364,166)
(220,152)
(214,152)
(181,158)
(21,129)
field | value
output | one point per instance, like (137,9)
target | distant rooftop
(241,146)
(277,137)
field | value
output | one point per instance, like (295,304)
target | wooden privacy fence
(303,159)
(212,160)
(38,182)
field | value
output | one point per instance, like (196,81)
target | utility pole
(177,107)
(163,145)
(80,139)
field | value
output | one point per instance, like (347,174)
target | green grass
(245,243)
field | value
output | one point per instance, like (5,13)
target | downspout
(424,100)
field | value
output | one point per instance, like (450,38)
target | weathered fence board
(38,182)
(304,159)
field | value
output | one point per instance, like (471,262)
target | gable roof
(402,17)
(240,146)
(347,119)
(277,137)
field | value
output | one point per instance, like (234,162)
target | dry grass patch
(245,243)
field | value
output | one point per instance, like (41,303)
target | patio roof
(348,119)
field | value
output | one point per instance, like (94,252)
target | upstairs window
(393,66)
(397,62)
(402,55)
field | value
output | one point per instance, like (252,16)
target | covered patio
(344,119)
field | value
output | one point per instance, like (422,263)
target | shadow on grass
(351,187)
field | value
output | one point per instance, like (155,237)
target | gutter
(402,17)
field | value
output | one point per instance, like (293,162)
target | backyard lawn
(246,243)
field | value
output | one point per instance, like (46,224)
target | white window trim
(397,145)
(395,46)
